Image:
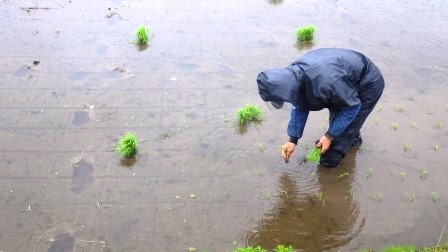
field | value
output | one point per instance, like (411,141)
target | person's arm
(296,126)
(342,120)
(338,126)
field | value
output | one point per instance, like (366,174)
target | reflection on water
(303,221)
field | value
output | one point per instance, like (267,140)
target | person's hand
(324,143)
(288,151)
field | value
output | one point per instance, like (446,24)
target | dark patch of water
(79,76)
(62,243)
(23,71)
(82,176)
(102,49)
(80,118)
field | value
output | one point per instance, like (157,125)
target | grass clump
(250,113)
(141,35)
(127,145)
(313,156)
(394,126)
(305,33)
(279,248)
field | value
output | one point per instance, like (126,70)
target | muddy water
(195,182)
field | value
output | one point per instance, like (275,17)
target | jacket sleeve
(296,124)
(342,120)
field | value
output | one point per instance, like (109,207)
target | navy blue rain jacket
(329,78)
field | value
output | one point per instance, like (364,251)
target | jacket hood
(279,85)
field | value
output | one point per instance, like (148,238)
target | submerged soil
(195,182)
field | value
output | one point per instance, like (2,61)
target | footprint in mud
(24,72)
(63,242)
(82,176)
(80,118)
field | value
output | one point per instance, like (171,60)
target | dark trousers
(369,96)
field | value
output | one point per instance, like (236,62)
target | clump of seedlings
(320,197)
(376,120)
(423,174)
(438,125)
(398,108)
(368,173)
(435,147)
(313,156)
(414,125)
(394,126)
(343,175)
(127,145)
(278,248)
(399,174)
(305,33)
(377,197)
(142,35)
(409,197)
(260,147)
(250,113)
(435,196)
(407,147)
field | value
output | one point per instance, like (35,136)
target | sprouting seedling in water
(377,197)
(368,173)
(400,174)
(265,196)
(260,147)
(407,147)
(394,126)
(250,113)
(313,156)
(313,176)
(127,145)
(141,35)
(284,193)
(435,196)
(409,197)
(435,147)
(398,108)
(343,175)
(305,33)
(320,197)
(438,125)
(376,120)
(423,174)
(414,125)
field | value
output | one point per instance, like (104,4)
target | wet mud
(72,81)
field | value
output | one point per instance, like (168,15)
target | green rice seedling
(409,197)
(399,248)
(260,147)
(377,197)
(394,126)
(438,125)
(250,249)
(414,125)
(435,147)
(407,147)
(127,145)
(435,196)
(313,176)
(250,113)
(282,248)
(313,156)
(141,35)
(305,33)
(265,196)
(368,173)
(343,175)
(376,120)
(320,197)
(284,193)
(424,174)
(398,108)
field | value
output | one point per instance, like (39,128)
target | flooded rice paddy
(72,82)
